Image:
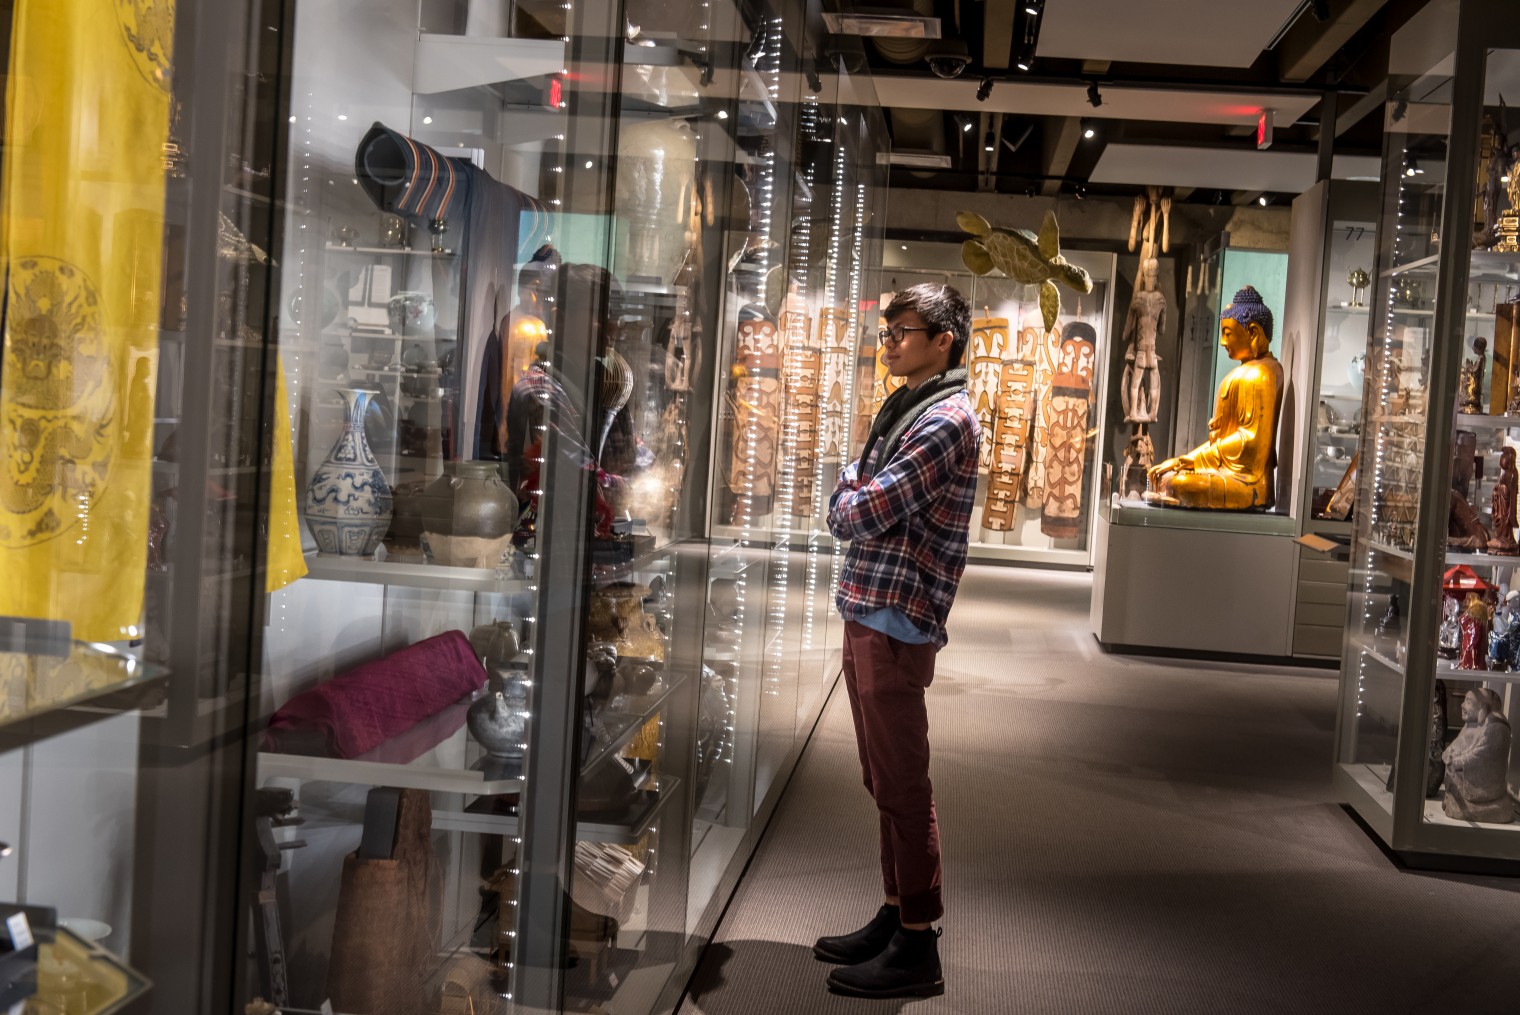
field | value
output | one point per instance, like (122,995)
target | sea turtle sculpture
(1023,257)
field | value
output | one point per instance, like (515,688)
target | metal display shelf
(327,567)
(624,831)
(407,761)
(65,692)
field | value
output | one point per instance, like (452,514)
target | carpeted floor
(1121,835)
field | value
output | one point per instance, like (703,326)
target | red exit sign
(1264,129)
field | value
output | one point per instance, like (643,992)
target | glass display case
(1424,752)
(1038,482)
(568,321)
(131,397)
(1332,250)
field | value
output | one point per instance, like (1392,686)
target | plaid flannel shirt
(909,523)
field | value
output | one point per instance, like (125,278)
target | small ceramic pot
(411,313)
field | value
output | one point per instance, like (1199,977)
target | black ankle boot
(866,943)
(908,967)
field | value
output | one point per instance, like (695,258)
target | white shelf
(1487,421)
(449,63)
(1436,816)
(338,248)
(1484,266)
(1376,655)
(623,832)
(1472,315)
(407,761)
(1446,668)
(327,567)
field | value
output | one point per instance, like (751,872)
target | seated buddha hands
(1235,468)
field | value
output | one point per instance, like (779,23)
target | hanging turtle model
(1024,257)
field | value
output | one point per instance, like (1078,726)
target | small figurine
(1504,635)
(1502,506)
(1477,762)
(1449,637)
(1472,379)
(1474,630)
(1358,279)
(1464,529)
(1391,625)
(1139,456)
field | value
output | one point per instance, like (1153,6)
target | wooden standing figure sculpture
(1474,628)
(1503,506)
(1472,379)
(1145,322)
(1235,469)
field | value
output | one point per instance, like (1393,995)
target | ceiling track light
(1089,130)
(1094,97)
(983,90)
(989,143)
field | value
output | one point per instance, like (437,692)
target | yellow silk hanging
(81,244)
(285,562)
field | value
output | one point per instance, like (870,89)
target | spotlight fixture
(1089,130)
(814,82)
(989,143)
(1023,64)
(1263,200)
(966,127)
(1320,9)
(983,90)
(1094,97)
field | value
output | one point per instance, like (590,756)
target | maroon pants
(886,679)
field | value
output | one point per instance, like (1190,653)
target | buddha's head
(1245,326)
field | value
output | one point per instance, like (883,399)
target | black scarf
(901,410)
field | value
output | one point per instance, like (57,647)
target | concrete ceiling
(1195,33)
(1243,169)
(1028,99)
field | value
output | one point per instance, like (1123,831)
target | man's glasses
(895,336)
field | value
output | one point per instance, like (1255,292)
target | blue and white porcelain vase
(348,504)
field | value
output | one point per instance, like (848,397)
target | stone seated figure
(1235,469)
(1477,762)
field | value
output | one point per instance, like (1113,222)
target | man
(906,509)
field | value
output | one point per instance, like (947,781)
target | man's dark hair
(943,308)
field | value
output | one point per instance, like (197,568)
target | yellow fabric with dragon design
(81,241)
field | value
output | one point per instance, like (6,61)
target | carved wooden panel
(1010,444)
(989,344)
(1066,430)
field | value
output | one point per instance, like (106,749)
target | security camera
(949,65)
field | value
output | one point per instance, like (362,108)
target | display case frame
(1390,734)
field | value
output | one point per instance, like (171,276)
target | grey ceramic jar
(468,515)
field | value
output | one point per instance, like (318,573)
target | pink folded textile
(356,711)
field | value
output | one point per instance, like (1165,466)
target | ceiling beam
(1060,144)
(1311,44)
(997,33)
(1362,108)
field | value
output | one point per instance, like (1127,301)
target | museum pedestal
(1219,583)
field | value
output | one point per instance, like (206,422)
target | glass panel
(1392,450)
(423,271)
(132,493)
(1342,366)
(1474,687)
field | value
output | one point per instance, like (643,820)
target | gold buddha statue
(1235,469)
